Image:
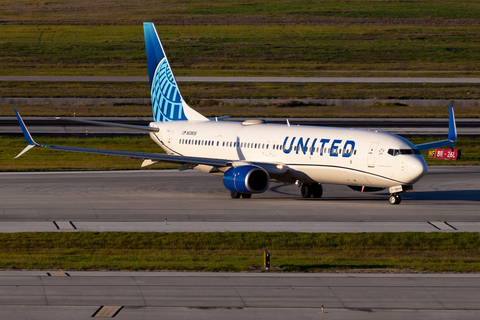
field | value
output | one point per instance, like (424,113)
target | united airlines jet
(251,154)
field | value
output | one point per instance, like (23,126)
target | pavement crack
(431,294)
(44,292)
(234,287)
(141,291)
(333,291)
(94,211)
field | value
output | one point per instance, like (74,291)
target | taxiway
(445,200)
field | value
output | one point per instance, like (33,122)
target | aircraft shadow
(460,195)
(455,195)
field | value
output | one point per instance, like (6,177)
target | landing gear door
(371,154)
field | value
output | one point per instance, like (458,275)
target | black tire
(235,195)
(394,199)
(306,190)
(317,190)
(399,199)
(246,195)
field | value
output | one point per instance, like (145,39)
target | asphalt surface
(187,295)
(400,126)
(194,201)
(419,80)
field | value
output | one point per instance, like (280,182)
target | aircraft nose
(416,168)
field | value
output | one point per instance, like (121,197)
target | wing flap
(144,155)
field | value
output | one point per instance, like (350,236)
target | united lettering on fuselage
(324,146)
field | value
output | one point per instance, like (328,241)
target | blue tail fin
(167,102)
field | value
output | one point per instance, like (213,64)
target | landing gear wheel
(235,195)
(394,199)
(246,195)
(306,190)
(317,190)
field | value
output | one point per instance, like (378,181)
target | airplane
(251,154)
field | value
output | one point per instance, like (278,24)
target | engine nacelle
(246,179)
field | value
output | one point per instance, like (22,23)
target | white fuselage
(354,157)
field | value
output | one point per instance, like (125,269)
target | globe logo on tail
(166,100)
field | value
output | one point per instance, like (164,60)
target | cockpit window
(396,152)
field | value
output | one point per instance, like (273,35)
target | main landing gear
(311,189)
(395,198)
(237,195)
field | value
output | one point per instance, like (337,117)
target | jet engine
(246,179)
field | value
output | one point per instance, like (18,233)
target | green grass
(447,9)
(232,12)
(43,159)
(195,90)
(237,50)
(290,252)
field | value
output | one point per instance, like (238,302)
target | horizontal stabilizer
(112,124)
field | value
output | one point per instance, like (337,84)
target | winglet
(26,133)
(452,127)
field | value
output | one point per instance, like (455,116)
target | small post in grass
(266,259)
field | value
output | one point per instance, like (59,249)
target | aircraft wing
(450,141)
(271,168)
(131,154)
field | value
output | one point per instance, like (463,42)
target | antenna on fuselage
(288,123)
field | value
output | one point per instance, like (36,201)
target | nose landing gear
(395,198)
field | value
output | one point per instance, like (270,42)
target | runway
(419,80)
(201,295)
(194,201)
